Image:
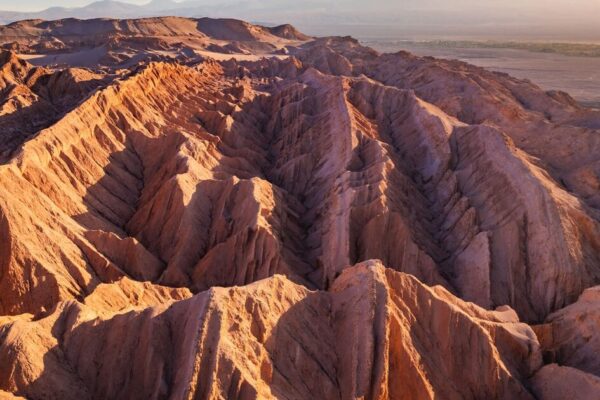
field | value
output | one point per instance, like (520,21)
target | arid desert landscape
(197,208)
(567,67)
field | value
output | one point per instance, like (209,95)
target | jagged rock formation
(203,219)
(568,335)
(288,342)
(32,98)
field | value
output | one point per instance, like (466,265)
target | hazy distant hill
(267,11)
(376,18)
(97,9)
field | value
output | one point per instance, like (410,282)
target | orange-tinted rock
(188,229)
(423,356)
(273,339)
(8,396)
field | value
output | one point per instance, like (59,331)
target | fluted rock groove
(210,209)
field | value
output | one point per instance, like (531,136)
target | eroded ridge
(214,223)
(204,347)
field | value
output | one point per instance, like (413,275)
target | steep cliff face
(32,98)
(568,335)
(203,229)
(272,339)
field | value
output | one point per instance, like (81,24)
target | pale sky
(571,7)
(37,5)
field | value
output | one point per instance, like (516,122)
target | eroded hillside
(331,223)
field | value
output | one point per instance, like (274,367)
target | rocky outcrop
(369,170)
(32,98)
(203,229)
(568,335)
(418,322)
(113,44)
(553,382)
(204,347)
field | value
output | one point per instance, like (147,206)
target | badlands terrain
(572,68)
(209,209)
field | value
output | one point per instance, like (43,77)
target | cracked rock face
(334,223)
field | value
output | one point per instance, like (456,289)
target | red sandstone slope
(32,98)
(191,229)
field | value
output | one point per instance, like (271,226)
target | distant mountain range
(190,8)
(267,12)
(99,9)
